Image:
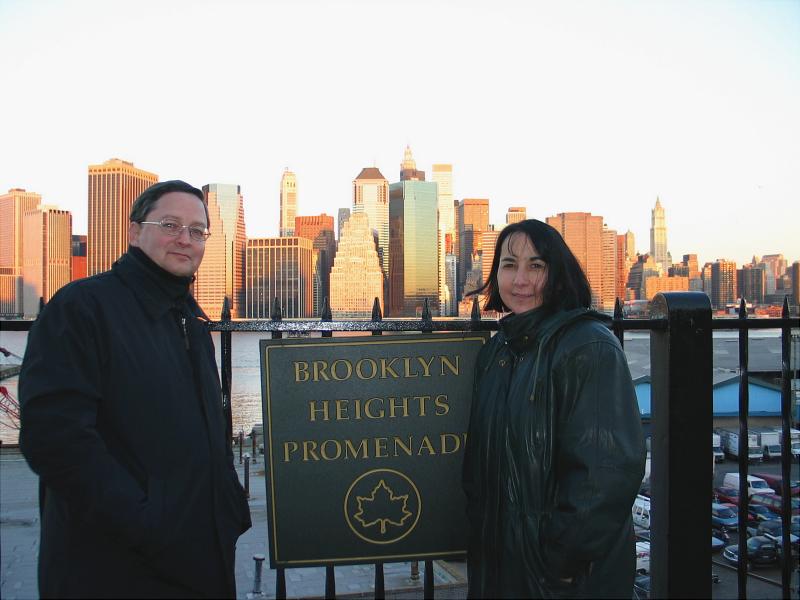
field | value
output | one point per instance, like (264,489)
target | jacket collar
(538,326)
(154,288)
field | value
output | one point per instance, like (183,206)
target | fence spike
(276,310)
(376,310)
(618,314)
(742,309)
(785,310)
(426,311)
(326,310)
(476,311)
(226,309)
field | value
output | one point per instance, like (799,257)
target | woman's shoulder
(592,328)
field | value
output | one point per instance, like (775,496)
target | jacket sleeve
(60,389)
(599,456)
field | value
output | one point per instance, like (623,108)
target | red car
(775,503)
(775,482)
(727,494)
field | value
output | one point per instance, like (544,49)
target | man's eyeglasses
(174,229)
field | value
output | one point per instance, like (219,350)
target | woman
(555,453)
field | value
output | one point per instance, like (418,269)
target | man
(122,421)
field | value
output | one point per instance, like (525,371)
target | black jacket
(122,421)
(554,459)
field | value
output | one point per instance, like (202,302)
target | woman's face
(521,274)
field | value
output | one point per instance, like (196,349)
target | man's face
(179,255)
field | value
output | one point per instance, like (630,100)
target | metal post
(226,354)
(280,583)
(254,435)
(428,590)
(786,449)
(414,570)
(681,363)
(247,475)
(330,582)
(259,559)
(380,592)
(744,452)
(241,445)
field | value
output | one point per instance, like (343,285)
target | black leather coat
(122,421)
(554,458)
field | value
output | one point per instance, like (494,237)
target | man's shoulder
(88,290)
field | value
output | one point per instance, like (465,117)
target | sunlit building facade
(46,255)
(371,196)
(221,274)
(413,248)
(113,186)
(723,283)
(319,229)
(356,277)
(583,233)
(658,237)
(515,214)
(442,175)
(608,288)
(288,203)
(13,206)
(278,268)
(78,257)
(472,217)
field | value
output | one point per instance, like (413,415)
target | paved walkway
(19,547)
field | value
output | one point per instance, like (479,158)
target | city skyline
(561,107)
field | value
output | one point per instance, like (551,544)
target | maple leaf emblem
(382,508)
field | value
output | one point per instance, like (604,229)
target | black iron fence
(681,328)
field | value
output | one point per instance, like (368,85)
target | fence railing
(681,358)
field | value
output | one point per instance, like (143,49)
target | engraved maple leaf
(382,508)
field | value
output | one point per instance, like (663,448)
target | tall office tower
(658,237)
(113,186)
(341,219)
(515,214)
(442,175)
(78,257)
(408,168)
(371,196)
(46,255)
(473,219)
(278,268)
(630,247)
(488,242)
(356,277)
(723,283)
(13,207)
(319,229)
(643,269)
(622,270)
(451,275)
(795,270)
(583,233)
(751,282)
(221,274)
(413,248)
(608,290)
(288,203)
(776,267)
(705,277)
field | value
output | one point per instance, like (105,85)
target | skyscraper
(78,257)
(608,287)
(723,283)
(413,247)
(408,168)
(658,237)
(515,214)
(488,243)
(278,268)
(13,207)
(356,277)
(473,219)
(319,229)
(371,196)
(113,186)
(751,282)
(341,219)
(583,233)
(623,268)
(288,203)
(442,175)
(46,255)
(221,274)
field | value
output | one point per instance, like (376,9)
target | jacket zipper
(185,333)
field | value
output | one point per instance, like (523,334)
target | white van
(755,485)
(641,511)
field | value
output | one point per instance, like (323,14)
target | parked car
(760,551)
(727,494)
(759,512)
(775,482)
(723,516)
(775,503)
(717,544)
(641,511)
(641,587)
(773,530)
(643,557)
(721,533)
(755,485)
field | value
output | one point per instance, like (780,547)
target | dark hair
(567,286)
(148,198)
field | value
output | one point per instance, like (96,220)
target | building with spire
(408,168)
(356,277)
(113,186)
(371,196)
(221,274)
(288,203)
(658,237)
(13,207)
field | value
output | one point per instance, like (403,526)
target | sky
(598,106)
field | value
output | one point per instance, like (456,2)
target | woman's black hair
(147,199)
(566,287)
